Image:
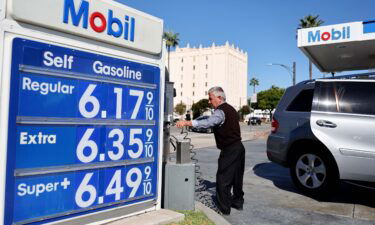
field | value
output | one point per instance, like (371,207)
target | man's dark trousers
(231,166)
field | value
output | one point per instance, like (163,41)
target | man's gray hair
(218,91)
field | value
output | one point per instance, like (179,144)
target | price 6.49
(136,184)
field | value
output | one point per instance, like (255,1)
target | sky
(265,29)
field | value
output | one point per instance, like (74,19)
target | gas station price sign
(83,132)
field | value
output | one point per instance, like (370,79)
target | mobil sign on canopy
(100,20)
(329,34)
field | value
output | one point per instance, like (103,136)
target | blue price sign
(83,133)
(75,191)
(92,100)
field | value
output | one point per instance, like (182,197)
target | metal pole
(294,73)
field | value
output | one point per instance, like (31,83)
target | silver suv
(324,130)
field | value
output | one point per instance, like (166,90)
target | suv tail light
(275,125)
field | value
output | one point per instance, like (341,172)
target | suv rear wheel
(313,172)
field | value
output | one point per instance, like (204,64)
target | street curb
(157,217)
(211,214)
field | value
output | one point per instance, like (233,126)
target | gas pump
(178,175)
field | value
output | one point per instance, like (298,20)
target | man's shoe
(225,213)
(238,207)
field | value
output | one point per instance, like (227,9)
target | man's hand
(183,123)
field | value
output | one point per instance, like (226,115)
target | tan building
(195,70)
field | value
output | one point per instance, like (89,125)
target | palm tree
(172,40)
(254,82)
(307,22)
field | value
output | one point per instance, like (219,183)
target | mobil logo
(333,34)
(99,22)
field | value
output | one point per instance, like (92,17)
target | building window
(205,93)
(182,68)
(206,57)
(193,67)
(182,60)
(193,84)
(206,66)
(181,93)
(206,84)
(182,85)
(206,75)
(193,93)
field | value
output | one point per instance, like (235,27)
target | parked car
(176,117)
(202,130)
(324,131)
(254,121)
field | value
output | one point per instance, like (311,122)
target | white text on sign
(57,61)
(40,138)
(38,189)
(44,88)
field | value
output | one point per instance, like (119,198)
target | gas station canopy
(341,47)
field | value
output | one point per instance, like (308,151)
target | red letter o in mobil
(326,36)
(102,19)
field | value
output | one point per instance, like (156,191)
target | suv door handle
(325,123)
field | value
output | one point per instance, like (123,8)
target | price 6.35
(138,144)
(134,104)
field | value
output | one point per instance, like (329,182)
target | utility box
(179,189)
(183,152)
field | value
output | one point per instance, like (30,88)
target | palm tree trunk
(310,70)
(169,50)
(254,89)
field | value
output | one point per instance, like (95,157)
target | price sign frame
(105,131)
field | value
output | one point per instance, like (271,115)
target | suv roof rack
(370,75)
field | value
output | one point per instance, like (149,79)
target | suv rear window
(303,101)
(346,97)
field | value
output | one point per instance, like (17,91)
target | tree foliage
(254,82)
(200,107)
(310,21)
(244,110)
(269,99)
(254,105)
(180,108)
(171,41)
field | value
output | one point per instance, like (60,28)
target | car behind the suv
(254,121)
(324,131)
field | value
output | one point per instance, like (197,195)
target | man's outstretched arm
(217,118)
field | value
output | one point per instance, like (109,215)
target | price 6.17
(87,149)
(89,104)
(87,194)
